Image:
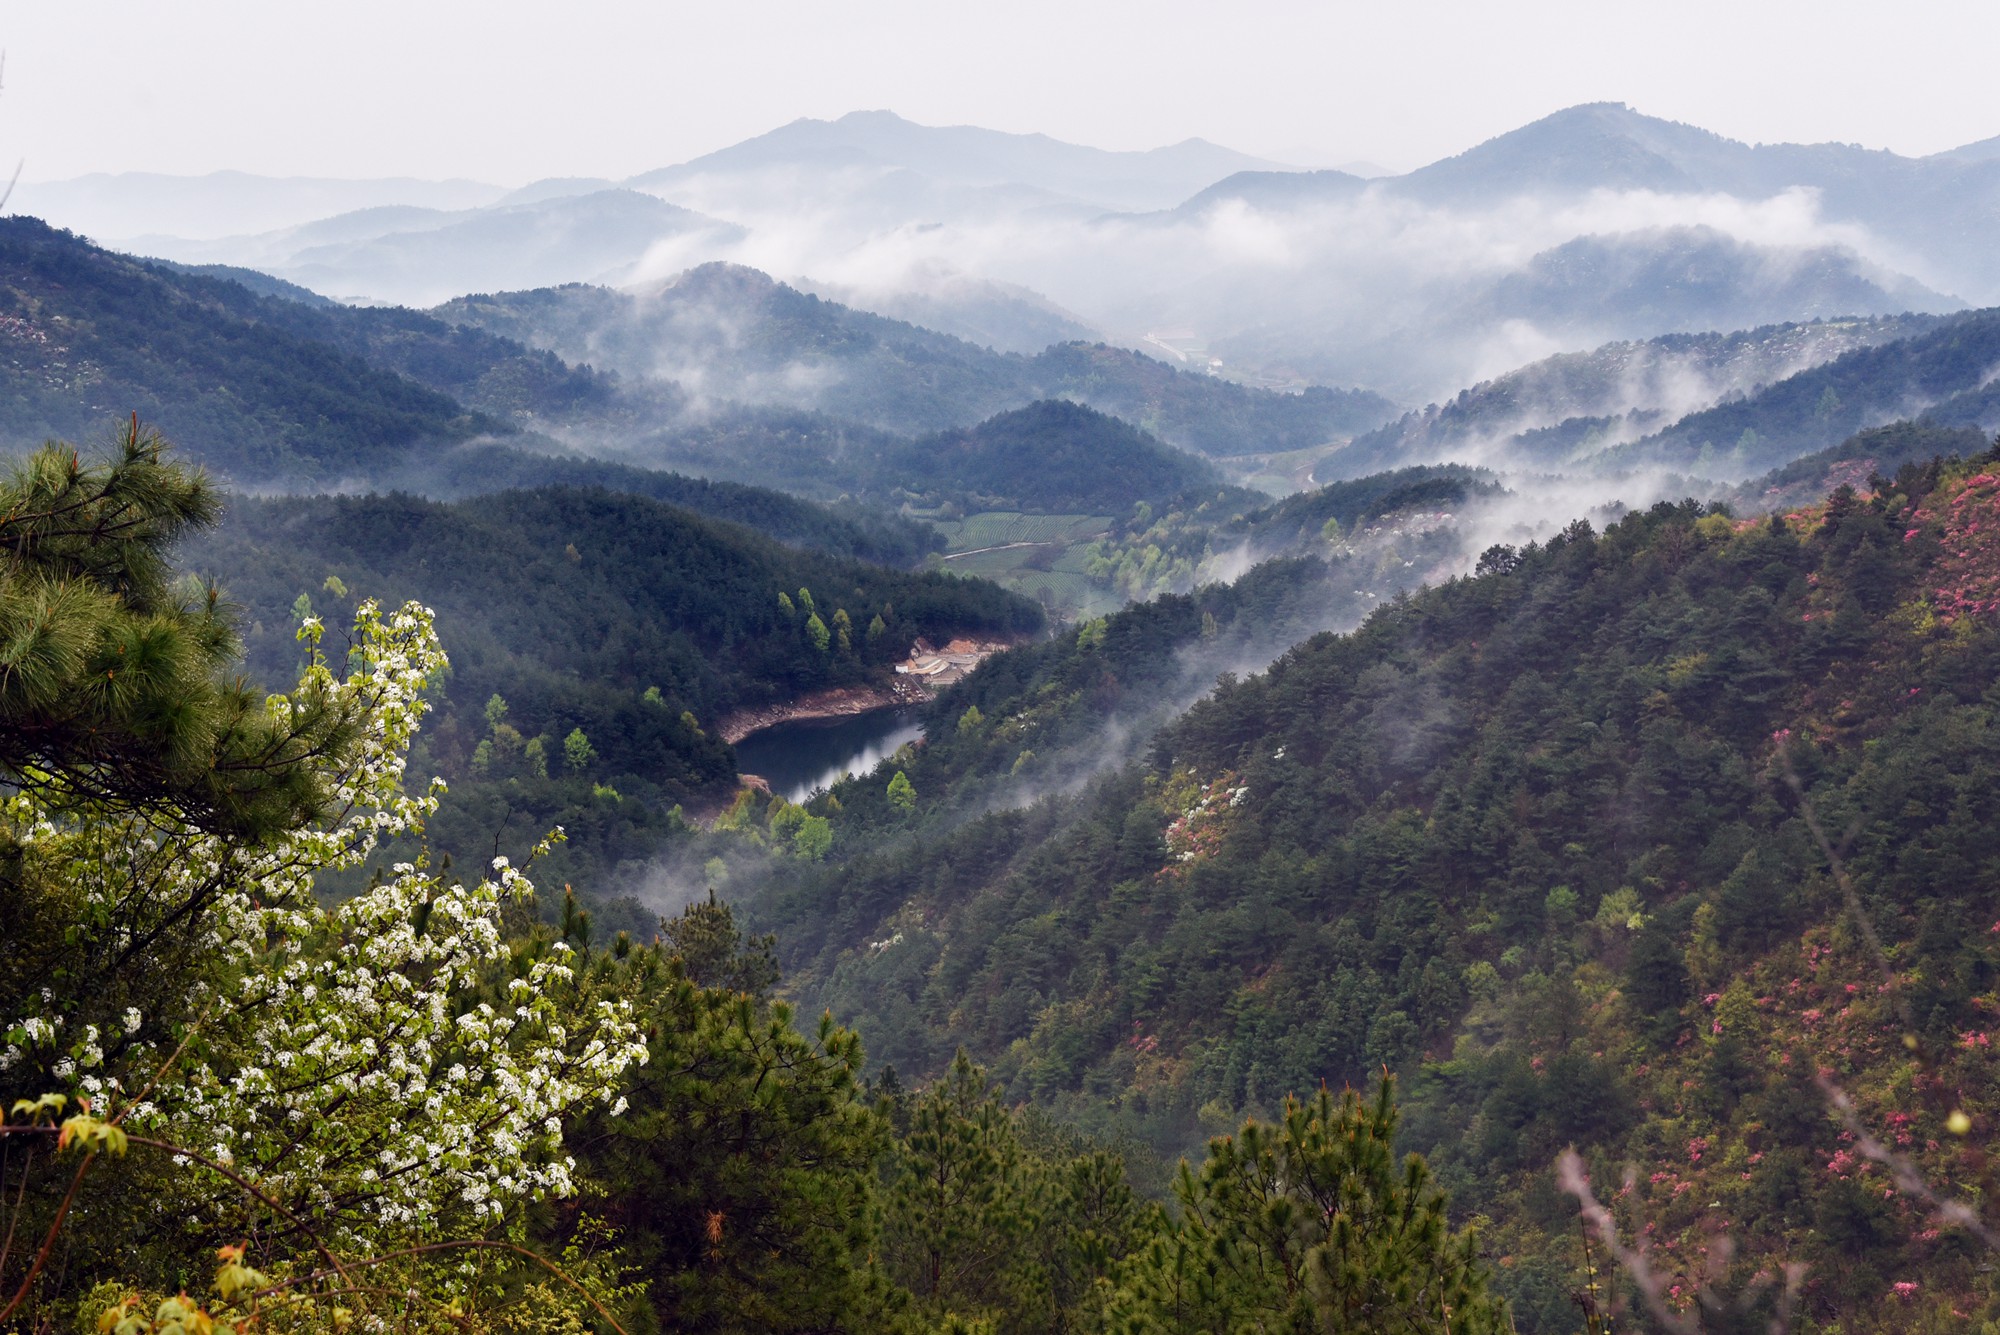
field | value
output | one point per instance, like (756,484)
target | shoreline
(834,702)
(917,680)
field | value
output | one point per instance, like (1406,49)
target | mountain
(275,392)
(730,333)
(419,256)
(845,529)
(1690,279)
(1945,376)
(996,316)
(880,145)
(1274,190)
(91,337)
(1861,461)
(1636,226)
(1529,838)
(1054,456)
(1586,291)
(1932,212)
(1594,223)
(129,206)
(1548,411)
(263,284)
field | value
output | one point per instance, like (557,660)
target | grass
(996,528)
(1049,571)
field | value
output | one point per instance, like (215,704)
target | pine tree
(1310,1225)
(116,681)
(957,1205)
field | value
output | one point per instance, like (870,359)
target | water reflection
(798,759)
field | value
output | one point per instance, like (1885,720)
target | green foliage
(741,1173)
(668,602)
(902,795)
(1515,837)
(1054,456)
(115,682)
(578,753)
(996,1220)
(1310,1225)
(102,335)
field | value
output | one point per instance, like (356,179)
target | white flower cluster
(347,1063)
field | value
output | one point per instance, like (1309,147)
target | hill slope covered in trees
(1530,838)
(636,622)
(733,333)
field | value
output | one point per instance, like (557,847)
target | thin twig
(1572,1178)
(49,1242)
(20,1194)
(1908,1179)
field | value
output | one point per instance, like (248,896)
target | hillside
(1945,375)
(91,337)
(844,528)
(1693,279)
(1527,838)
(570,604)
(1686,401)
(1050,456)
(729,333)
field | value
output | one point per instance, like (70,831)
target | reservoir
(799,758)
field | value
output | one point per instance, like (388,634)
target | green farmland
(1040,556)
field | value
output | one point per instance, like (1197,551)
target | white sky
(508,90)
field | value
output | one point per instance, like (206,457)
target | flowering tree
(377,1073)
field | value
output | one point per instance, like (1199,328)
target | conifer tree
(116,681)
(1309,1225)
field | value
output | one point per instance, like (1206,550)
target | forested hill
(840,528)
(88,337)
(572,603)
(1528,838)
(741,336)
(1050,456)
(1945,374)
(1541,414)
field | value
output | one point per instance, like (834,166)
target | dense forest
(1530,838)
(633,625)
(758,341)
(308,1088)
(91,336)
(389,939)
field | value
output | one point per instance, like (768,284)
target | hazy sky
(507,90)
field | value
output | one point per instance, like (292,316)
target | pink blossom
(1904,1288)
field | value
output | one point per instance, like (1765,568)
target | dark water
(798,759)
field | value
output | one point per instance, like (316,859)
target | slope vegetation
(731,333)
(1529,837)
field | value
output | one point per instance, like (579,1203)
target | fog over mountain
(1591,225)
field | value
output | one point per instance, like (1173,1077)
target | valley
(858,732)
